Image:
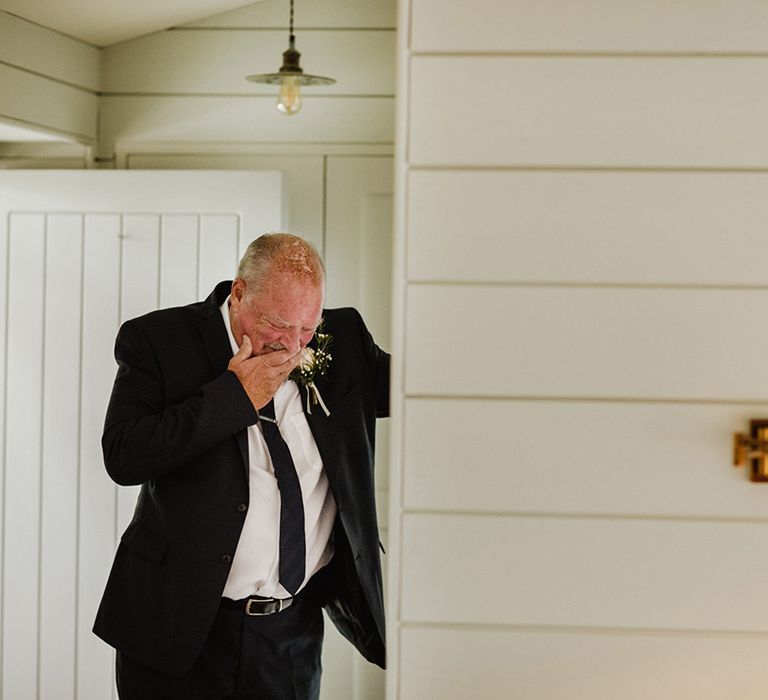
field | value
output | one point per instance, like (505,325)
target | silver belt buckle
(276,601)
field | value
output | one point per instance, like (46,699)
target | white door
(79,253)
(358,258)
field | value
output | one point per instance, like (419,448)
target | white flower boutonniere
(314,364)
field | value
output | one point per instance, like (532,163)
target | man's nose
(292,340)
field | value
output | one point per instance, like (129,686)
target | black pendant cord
(291,37)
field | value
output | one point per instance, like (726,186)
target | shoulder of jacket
(175,314)
(164,318)
(344,314)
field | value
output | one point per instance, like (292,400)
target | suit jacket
(176,424)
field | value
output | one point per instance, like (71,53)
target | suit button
(226,558)
(241,508)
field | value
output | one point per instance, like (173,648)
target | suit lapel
(212,329)
(320,426)
(216,343)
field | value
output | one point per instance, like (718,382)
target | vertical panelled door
(80,252)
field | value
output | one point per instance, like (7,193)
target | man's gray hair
(281,253)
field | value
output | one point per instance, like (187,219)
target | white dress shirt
(255,566)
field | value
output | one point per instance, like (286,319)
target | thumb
(245,349)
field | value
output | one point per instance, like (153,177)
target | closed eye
(287,326)
(275,325)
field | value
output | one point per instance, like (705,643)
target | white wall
(47,80)
(579,247)
(186,88)
(183,91)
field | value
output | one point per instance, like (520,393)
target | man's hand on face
(262,375)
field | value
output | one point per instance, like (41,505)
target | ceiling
(106,22)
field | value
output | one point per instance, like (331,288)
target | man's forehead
(282,282)
(291,306)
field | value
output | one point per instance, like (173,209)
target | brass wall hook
(752,448)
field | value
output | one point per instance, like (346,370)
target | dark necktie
(292,543)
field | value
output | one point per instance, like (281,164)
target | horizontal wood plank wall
(578,272)
(603,26)
(179,62)
(641,343)
(578,457)
(585,572)
(36,101)
(518,663)
(34,48)
(47,81)
(581,111)
(592,227)
(211,120)
(48,155)
(166,88)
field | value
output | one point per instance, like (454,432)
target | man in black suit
(208,596)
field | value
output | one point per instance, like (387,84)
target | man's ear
(238,289)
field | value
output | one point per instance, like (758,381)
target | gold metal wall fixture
(752,449)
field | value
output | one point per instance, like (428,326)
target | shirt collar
(224,308)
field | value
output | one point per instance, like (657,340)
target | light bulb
(289,99)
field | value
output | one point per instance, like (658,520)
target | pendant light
(290,77)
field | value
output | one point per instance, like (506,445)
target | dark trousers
(272,657)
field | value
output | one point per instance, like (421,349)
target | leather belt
(257,606)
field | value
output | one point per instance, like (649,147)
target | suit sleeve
(378,364)
(144,438)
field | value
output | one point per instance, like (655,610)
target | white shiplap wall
(578,276)
(47,80)
(185,89)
